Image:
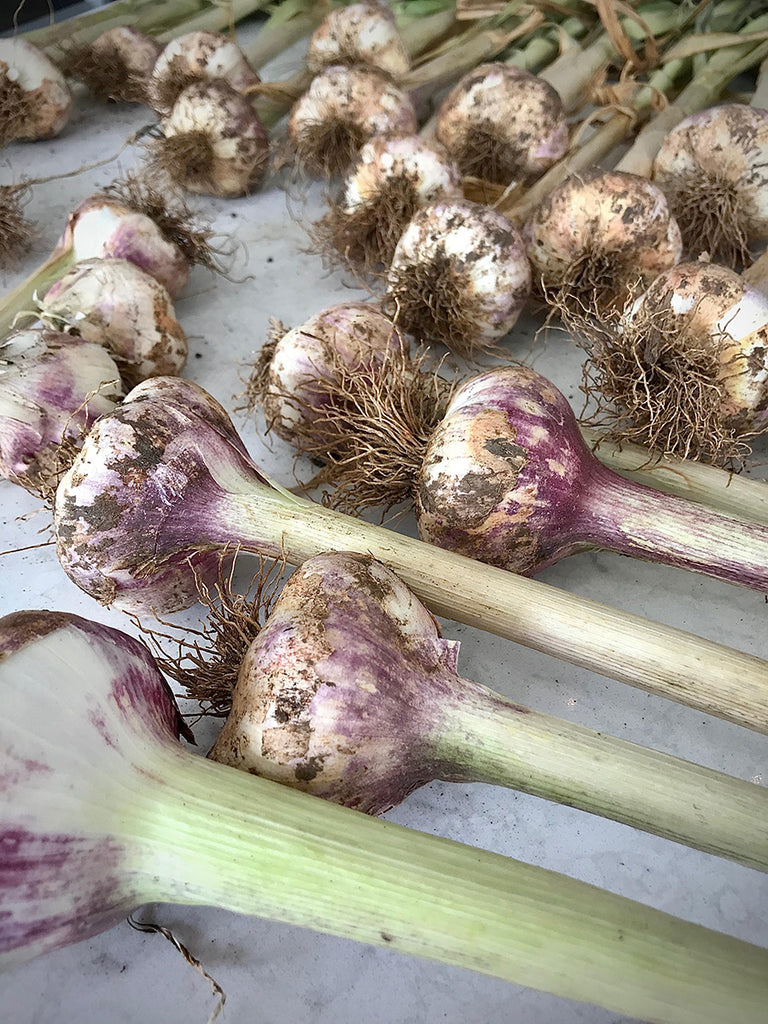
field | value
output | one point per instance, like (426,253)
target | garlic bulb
(342,109)
(116,304)
(459,275)
(685,368)
(713,168)
(362,33)
(194,56)
(52,388)
(117,65)
(35,101)
(295,368)
(503,124)
(394,176)
(594,239)
(213,142)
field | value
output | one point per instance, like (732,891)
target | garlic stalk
(35,101)
(133,817)
(171,446)
(348,692)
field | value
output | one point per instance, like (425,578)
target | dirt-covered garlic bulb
(213,142)
(35,101)
(52,388)
(684,369)
(713,168)
(117,65)
(342,109)
(459,276)
(194,56)
(595,239)
(503,124)
(362,33)
(393,178)
(114,303)
(295,368)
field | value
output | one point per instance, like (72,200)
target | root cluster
(328,147)
(15,230)
(710,214)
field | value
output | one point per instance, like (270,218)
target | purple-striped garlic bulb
(52,388)
(459,276)
(596,239)
(114,303)
(342,109)
(508,479)
(713,168)
(684,369)
(196,56)
(117,65)
(35,101)
(213,142)
(296,368)
(362,33)
(502,124)
(393,178)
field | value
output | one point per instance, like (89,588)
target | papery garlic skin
(361,33)
(353,104)
(197,55)
(620,222)
(114,303)
(723,149)
(353,333)
(232,149)
(46,97)
(341,692)
(477,253)
(52,386)
(517,114)
(101,228)
(715,304)
(428,170)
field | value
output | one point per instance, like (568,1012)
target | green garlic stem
(20,300)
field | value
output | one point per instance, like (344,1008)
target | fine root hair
(372,430)
(176,220)
(205,662)
(105,74)
(186,159)
(652,380)
(710,214)
(16,231)
(257,385)
(604,282)
(483,154)
(364,239)
(14,110)
(51,464)
(328,147)
(433,301)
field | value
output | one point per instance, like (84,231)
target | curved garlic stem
(220,498)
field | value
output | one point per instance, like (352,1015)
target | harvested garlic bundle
(213,142)
(595,239)
(35,101)
(342,109)
(362,33)
(713,168)
(116,304)
(209,56)
(503,124)
(684,369)
(459,275)
(52,389)
(394,177)
(117,65)
(291,374)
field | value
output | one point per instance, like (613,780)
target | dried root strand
(603,282)
(710,214)
(176,220)
(364,238)
(184,158)
(105,74)
(328,147)
(482,154)
(52,463)
(15,110)
(372,431)
(654,382)
(257,385)
(205,662)
(15,230)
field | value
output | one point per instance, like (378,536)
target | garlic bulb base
(15,230)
